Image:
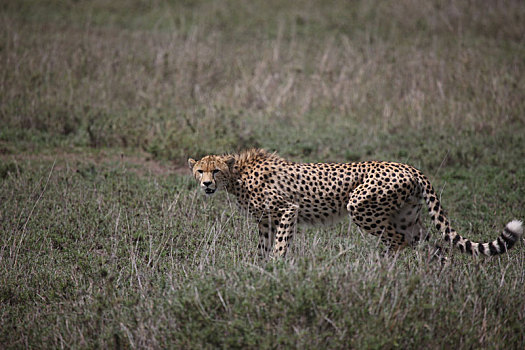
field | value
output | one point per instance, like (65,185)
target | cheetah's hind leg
(372,212)
(407,222)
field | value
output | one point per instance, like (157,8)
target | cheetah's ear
(230,162)
(191,163)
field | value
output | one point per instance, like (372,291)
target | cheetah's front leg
(285,230)
(266,236)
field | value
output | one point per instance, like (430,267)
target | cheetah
(382,198)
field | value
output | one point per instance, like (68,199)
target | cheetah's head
(212,172)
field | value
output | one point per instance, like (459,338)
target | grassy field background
(106,242)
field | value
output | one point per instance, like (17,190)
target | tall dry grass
(95,255)
(90,260)
(111,80)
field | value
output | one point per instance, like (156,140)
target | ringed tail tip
(515,227)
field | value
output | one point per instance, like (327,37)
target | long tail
(508,237)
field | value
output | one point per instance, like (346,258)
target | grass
(105,241)
(92,261)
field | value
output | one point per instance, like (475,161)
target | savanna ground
(106,242)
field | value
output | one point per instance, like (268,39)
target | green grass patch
(106,242)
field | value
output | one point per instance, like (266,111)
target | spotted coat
(382,198)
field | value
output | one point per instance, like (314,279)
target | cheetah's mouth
(209,190)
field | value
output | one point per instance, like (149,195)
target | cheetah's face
(211,172)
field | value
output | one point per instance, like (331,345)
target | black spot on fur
(493,249)
(481,249)
(501,245)
(468,247)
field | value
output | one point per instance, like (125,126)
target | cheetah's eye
(215,171)
(199,171)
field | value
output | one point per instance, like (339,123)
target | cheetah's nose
(206,183)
